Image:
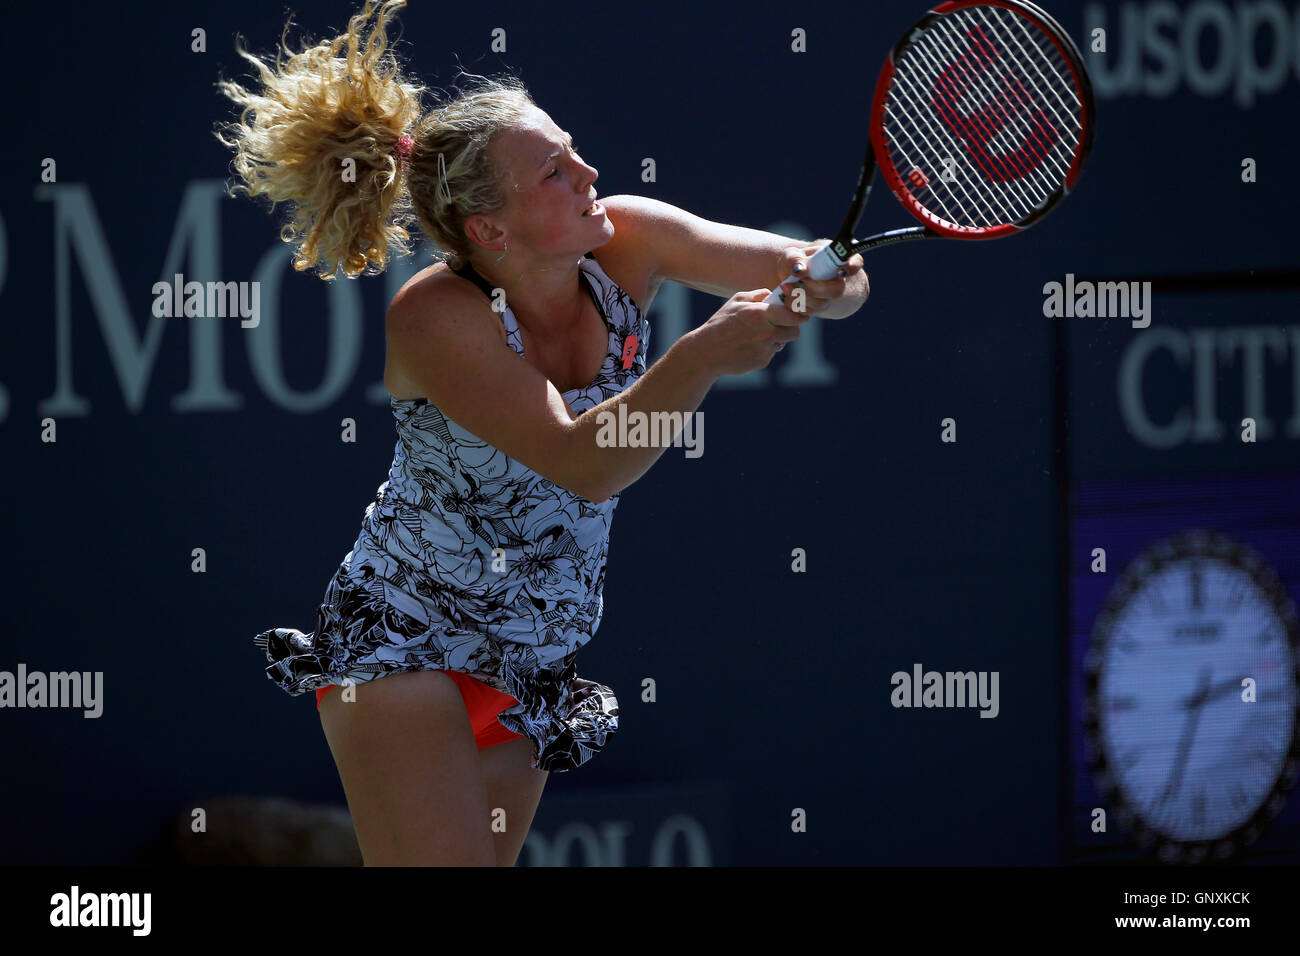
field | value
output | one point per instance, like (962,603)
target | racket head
(999,89)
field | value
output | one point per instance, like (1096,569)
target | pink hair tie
(403,150)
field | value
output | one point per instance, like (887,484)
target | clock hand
(1193,706)
(1206,694)
(1180,761)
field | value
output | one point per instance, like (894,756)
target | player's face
(548,190)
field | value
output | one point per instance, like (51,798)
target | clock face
(1194,628)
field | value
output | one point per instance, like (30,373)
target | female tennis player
(479,569)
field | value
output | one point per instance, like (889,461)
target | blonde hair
(322,108)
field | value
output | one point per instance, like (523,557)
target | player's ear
(482,231)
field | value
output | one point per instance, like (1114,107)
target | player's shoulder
(463,312)
(638,215)
(632,255)
(436,284)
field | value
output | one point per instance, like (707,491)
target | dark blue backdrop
(773,686)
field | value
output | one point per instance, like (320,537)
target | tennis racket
(981,122)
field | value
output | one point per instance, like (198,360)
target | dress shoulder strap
(467,271)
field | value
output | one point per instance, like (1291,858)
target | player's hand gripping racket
(981,122)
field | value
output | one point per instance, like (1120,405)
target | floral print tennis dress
(419,590)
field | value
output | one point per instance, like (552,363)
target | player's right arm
(446,339)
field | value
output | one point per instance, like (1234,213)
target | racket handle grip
(821,266)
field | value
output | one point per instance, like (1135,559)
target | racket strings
(986,103)
(954,212)
(984,128)
(927,154)
(988,208)
(1011,113)
(985,207)
(1067,115)
(1027,115)
(957,211)
(934,147)
(977,129)
(1057,81)
(997,120)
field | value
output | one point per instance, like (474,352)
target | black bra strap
(467,271)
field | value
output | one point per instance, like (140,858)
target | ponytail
(322,135)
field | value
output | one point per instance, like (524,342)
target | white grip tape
(821,266)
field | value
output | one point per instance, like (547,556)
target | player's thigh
(410,769)
(514,788)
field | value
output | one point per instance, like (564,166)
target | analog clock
(1194,629)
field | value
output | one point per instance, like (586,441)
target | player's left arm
(722,259)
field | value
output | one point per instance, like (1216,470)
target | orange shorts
(481,701)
